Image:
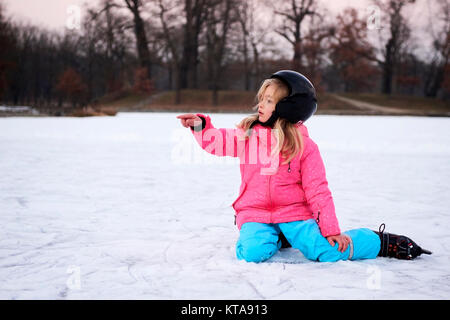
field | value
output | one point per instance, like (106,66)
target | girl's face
(267,104)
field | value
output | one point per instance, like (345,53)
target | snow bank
(18,109)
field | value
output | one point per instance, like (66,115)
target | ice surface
(129,207)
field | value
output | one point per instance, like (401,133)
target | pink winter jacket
(272,192)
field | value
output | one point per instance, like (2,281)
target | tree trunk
(178,80)
(246,64)
(187,46)
(215,94)
(193,62)
(432,87)
(142,47)
(141,37)
(256,65)
(386,84)
(217,36)
(187,64)
(297,60)
(388,68)
(195,17)
(247,72)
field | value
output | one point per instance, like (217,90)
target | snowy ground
(129,207)
(18,109)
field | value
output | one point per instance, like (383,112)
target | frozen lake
(130,207)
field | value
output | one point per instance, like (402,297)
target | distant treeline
(149,45)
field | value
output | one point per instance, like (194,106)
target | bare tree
(171,35)
(99,54)
(195,14)
(293,14)
(219,20)
(316,43)
(436,74)
(6,59)
(135,7)
(182,39)
(398,36)
(112,37)
(348,48)
(253,30)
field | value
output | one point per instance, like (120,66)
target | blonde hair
(287,134)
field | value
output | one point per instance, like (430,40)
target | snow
(18,109)
(129,207)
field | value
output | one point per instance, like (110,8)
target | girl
(284,198)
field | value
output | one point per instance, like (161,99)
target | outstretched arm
(219,142)
(191,120)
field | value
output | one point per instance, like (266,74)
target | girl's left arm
(315,186)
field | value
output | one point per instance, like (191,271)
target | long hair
(287,134)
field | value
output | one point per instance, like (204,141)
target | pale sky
(54,13)
(58,14)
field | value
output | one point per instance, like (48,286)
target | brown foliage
(142,83)
(71,86)
(350,50)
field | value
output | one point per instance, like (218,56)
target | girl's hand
(342,241)
(189,120)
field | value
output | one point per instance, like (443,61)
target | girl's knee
(323,252)
(257,242)
(256,252)
(332,255)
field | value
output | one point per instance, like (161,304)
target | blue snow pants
(259,241)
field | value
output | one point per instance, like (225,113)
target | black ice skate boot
(284,242)
(400,247)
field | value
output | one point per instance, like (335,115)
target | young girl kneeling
(284,199)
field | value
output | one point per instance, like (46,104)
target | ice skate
(398,246)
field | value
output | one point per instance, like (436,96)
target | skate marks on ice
(95,209)
(289,256)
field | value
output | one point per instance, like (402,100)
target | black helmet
(301,103)
(296,82)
